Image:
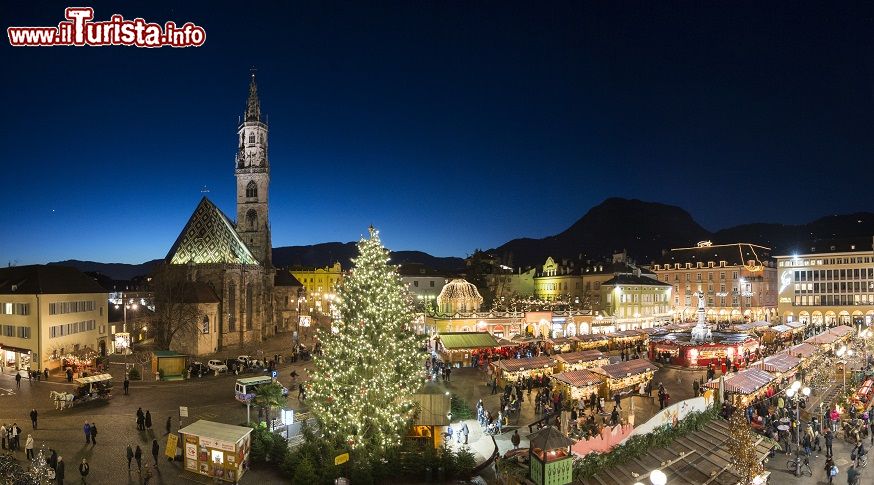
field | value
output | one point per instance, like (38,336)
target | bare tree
(177,315)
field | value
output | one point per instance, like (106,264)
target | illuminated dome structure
(459,296)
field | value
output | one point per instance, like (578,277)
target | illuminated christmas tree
(371,362)
(742,448)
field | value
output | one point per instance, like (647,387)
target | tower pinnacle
(253,105)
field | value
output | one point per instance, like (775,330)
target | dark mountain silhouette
(645,229)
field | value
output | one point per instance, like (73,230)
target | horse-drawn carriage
(87,389)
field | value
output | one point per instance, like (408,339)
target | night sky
(450,125)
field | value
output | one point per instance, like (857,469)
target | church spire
(253,105)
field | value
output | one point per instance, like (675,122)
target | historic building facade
(633,301)
(234,259)
(739,281)
(827,283)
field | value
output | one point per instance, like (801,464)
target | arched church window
(252,219)
(205,325)
(252,189)
(252,138)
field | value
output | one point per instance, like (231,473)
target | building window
(252,189)
(416,283)
(232,307)
(250,307)
(252,219)
(432,284)
(23,332)
(205,324)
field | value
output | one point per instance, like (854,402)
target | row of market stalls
(772,373)
(460,348)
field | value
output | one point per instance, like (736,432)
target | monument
(701,332)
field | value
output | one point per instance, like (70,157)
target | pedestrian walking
(126,385)
(141,419)
(84,469)
(831,471)
(464,431)
(53,460)
(130,456)
(148,420)
(618,400)
(59,471)
(18,380)
(516,439)
(28,447)
(93,434)
(45,373)
(69,375)
(169,424)
(147,476)
(33,416)
(87,430)
(138,455)
(155,450)
(829,437)
(3,435)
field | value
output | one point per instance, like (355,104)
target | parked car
(244,359)
(198,369)
(217,365)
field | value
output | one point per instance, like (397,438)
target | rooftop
(46,280)
(825,246)
(626,279)
(218,431)
(733,254)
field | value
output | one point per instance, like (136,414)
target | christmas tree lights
(371,362)
(742,448)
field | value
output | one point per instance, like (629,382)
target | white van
(244,390)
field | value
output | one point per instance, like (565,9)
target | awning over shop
(781,362)
(516,365)
(580,378)
(830,336)
(595,337)
(627,368)
(795,325)
(781,328)
(804,350)
(467,340)
(696,458)
(581,356)
(745,382)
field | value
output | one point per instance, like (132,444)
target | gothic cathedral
(230,263)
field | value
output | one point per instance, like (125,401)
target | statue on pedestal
(701,332)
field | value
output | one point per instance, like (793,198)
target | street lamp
(658,477)
(793,391)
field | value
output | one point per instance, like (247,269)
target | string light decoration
(371,363)
(742,448)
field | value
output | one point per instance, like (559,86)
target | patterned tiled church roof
(209,238)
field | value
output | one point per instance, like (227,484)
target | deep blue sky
(449,125)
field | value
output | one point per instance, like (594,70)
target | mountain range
(643,229)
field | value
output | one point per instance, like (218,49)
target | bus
(244,390)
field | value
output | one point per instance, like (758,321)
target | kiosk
(216,450)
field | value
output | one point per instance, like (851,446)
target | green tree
(370,364)
(267,397)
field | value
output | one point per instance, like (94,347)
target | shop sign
(191,451)
(340,459)
(172,441)
(216,444)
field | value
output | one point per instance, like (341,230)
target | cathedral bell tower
(253,180)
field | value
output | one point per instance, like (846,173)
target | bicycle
(792,464)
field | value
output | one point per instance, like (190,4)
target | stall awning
(217,431)
(627,368)
(745,382)
(746,327)
(627,334)
(803,350)
(467,340)
(782,362)
(515,365)
(781,328)
(795,325)
(93,379)
(830,336)
(595,337)
(580,378)
(581,356)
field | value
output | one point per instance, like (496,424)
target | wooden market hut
(831,337)
(510,370)
(583,359)
(751,326)
(592,341)
(456,348)
(217,450)
(696,458)
(551,459)
(805,351)
(628,337)
(563,344)
(747,384)
(782,364)
(777,333)
(431,418)
(626,376)
(581,383)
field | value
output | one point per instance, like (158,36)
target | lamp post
(793,391)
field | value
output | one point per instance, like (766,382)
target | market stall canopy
(696,458)
(781,362)
(795,325)
(748,327)
(549,438)
(830,336)
(93,379)
(217,431)
(746,381)
(781,328)
(627,368)
(467,340)
(524,339)
(595,337)
(580,378)
(803,350)
(529,363)
(581,356)
(627,334)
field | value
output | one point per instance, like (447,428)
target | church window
(252,138)
(205,325)
(252,219)
(252,189)
(249,306)
(232,307)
